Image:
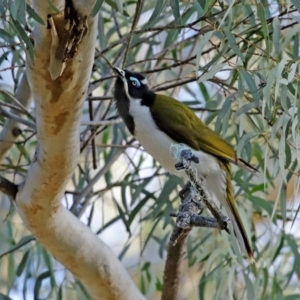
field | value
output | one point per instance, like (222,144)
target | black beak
(119,72)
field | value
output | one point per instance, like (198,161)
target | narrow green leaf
(21,17)
(280,68)
(228,11)
(115,6)
(244,141)
(102,37)
(26,239)
(251,85)
(262,203)
(249,287)
(296,3)
(96,7)
(22,264)
(281,157)
(120,5)
(296,46)
(38,283)
(244,109)
(233,45)
(108,224)
(157,10)
(283,203)
(34,15)
(276,35)
(123,252)
(222,113)
(211,72)
(60,293)
(293,71)
(138,208)
(5,33)
(264,25)
(14,6)
(265,282)
(83,290)
(53,7)
(200,48)
(23,36)
(267,90)
(122,214)
(176,12)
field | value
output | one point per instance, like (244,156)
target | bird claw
(187,154)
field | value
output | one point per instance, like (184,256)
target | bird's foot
(185,191)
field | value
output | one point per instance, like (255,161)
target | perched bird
(158,122)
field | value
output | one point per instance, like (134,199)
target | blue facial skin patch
(135,81)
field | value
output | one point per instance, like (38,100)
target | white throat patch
(125,83)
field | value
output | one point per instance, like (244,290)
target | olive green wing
(183,126)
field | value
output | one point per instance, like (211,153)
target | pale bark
(58,109)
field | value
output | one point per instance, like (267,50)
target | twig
(98,98)
(117,27)
(17,102)
(8,188)
(137,13)
(20,245)
(187,157)
(14,107)
(93,143)
(101,123)
(91,184)
(12,116)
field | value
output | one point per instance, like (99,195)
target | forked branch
(193,197)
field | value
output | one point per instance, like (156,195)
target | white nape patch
(144,81)
(125,84)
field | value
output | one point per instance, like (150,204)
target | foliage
(246,56)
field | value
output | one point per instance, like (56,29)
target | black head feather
(131,86)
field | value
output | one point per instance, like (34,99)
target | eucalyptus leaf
(201,46)
(96,8)
(276,35)
(244,140)
(233,44)
(296,4)
(34,15)
(23,36)
(211,72)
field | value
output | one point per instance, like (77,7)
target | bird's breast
(158,144)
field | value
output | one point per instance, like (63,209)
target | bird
(158,121)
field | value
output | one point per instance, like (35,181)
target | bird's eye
(135,82)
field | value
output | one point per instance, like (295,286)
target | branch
(59,105)
(101,123)
(172,268)
(187,157)
(188,217)
(16,118)
(18,246)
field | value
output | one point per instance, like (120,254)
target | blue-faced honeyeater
(158,122)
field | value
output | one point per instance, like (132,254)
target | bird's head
(133,85)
